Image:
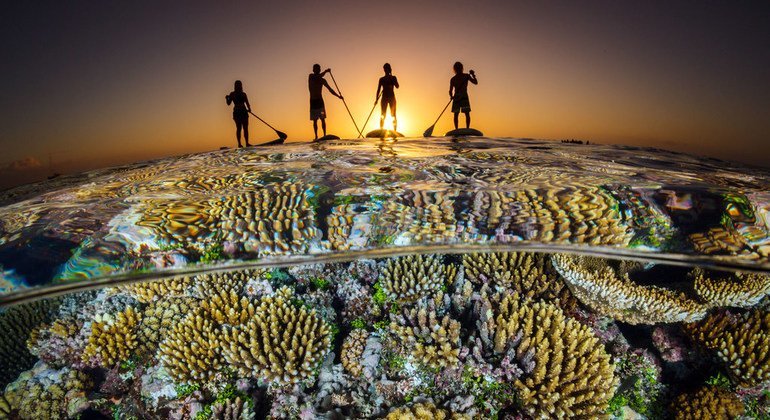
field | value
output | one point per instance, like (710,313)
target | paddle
(339,92)
(281,134)
(429,131)
(372,111)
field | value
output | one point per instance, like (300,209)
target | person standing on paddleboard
(315,83)
(458,91)
(241,109)
(387,83)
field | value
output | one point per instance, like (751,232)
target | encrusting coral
(566,371)
(191,351)
(44,393)
(113,338)
(432,340)
(741,290)
(282,344)
(16,324)
(352,349)
(708,402)
(424,411)
(603,291)
(741,342)
(407,279)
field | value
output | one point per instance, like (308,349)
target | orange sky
(95,84)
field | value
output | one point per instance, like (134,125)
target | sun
(402,122)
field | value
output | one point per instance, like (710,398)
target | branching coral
(146,292)
(236,409)
(225,307)
(434,341)
(567,372)
(352,349)
(742,290)
(59,344)
(157,319)
(191,349)
(16,324)
(113,338)
(409,278)
(708,402)
(742,343)
(210,284)
(604,292)
(281,344)
(424,411)
(44,393)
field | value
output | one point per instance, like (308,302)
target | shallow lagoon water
(480,277)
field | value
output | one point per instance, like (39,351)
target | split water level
(450,278)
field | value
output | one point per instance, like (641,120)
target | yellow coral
(424,411)
(352,349)
(409,278)
(708,402)
(112,339)
(16,324)
(225,307)
(146,292)
(742,343)
(236,409)
(43,393)
(435,342)
(622,299)
(157,319)
(191,351)
(742,290)
(282,343)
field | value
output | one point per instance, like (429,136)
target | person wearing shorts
(458,91)
(241,109)
(315,84)
(386,84)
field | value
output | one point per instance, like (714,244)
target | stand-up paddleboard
(383,134)
(328,137)
(275,142)
(462,132)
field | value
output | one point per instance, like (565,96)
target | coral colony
(487,335)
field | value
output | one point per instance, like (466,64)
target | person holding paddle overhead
(241,109)
(315,83)
(458,91)
(387,83)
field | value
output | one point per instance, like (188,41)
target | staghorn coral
(708,402)
(567,371)
(16,324)
(44,393)
(157,319)
(191,350)
(281,344)
(407,279)
(146,292)
(352,349)
(620,298)
(424,411)
(742,343)
(59,344)
(5,407)
(434,341)
(226,307)
(741,290)
(113,338)
(211,284)
(236,409)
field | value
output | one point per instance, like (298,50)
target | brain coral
(191,350)
(567,371)
(424,411)
(708,402)
(282,343)
(113,338)
(742,343)
(407,279)
(16,324)
(620,298)
(434,341)
(44,393)
(352,349)
(741,290)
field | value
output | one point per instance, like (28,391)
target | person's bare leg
(455,119)
(382,121)
(246,134)
(393,114)
(323,125)
(315,129)
(238,134)
(467,120)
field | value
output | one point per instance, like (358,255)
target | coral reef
(432,340)
(708,402)
(191,350)
(60,344)
(407,279)
(741,342)
(741,290)
(236,409)
(423,215)
(281,344)
(148,291)
(16,324)
(620,298)
(424,411)
(157,319)
(44,393)
(352,350)
(113,338)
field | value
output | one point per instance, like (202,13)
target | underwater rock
(16,324)
(157,386)
(603,291)
(45,393)
(113,338)
(708,402)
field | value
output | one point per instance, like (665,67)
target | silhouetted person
(241,109)
(460,100)
(387,83)
(315,83)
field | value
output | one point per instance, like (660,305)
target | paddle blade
(429,131)
(281,134)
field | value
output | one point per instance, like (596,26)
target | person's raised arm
(331,90)
(472,77)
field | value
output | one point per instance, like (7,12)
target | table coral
(741,290)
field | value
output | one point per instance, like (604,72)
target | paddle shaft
(371,112)
(442,112)
(280,134)
(339,92)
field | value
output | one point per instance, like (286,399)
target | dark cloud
(24,164)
